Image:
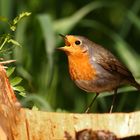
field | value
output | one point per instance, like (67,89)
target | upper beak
(65,48)
(63,36)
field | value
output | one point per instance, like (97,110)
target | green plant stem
(4,42)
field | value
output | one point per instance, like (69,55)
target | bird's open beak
(67,44)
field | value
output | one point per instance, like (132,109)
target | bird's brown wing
(109,62)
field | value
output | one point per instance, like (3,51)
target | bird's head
(74,45)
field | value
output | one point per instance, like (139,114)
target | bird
(93,68)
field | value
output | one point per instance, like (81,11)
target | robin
(94,68)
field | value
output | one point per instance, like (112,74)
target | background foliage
(115,25)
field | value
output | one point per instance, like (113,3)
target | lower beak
(65,48)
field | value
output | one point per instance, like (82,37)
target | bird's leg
(90,105)
(113,101)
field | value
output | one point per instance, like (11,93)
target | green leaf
(23,94)
(14,42)
(9,71)
(15,81)
(18,88)
(6,38)
(17,19)
(20,16)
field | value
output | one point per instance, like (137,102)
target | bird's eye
(77,42)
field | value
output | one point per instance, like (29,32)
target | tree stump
(17,123)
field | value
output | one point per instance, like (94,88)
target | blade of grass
(65,25)
(126,25)
(44,105)
(48,33)
(134,19)
(6,8)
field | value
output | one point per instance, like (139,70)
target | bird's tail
(136,85)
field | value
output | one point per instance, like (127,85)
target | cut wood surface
(37,125)
(17,123)
(52,126)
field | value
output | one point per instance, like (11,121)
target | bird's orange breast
(80,67)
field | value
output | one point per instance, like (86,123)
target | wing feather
(109,62)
